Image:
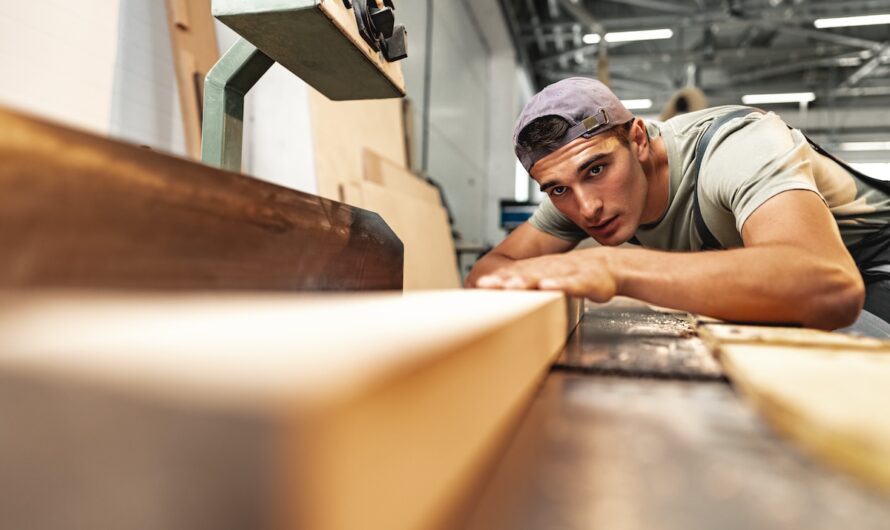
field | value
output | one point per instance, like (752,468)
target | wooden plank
(262,411)
(822,396)
(83,211)
(397,178)
(342,130)
(734,334)
(430,258)
(195,51)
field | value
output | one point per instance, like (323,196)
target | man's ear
(640,138)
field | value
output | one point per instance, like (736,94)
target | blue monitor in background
(514,213)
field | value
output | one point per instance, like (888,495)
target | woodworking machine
(345,49)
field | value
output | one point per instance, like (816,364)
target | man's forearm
(765,284)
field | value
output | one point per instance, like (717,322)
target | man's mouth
(604,225)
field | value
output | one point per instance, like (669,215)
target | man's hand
(523,243)
(581,273)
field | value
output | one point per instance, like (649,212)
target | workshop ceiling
(728,48)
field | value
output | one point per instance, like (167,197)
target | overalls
(871,254)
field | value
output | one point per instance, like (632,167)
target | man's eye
(558,190)
(596,170)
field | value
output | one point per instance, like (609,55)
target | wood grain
(77,210)
(828,398)
(330,412)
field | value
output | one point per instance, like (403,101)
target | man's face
(599,184)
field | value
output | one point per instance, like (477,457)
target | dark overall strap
(871,251)
(709,242)
(874,249)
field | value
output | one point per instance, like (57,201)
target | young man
(787,218)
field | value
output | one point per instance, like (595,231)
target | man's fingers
(506,281)
(599,289)
(489,282)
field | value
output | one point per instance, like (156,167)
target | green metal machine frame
(314,40)
(225,88)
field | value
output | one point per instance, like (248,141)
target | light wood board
(397,178)
(355,411)
(430,258)
(342,130)
(826,392)
(195,51)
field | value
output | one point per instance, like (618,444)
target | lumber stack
(284,411)
(414,211)
(825,391)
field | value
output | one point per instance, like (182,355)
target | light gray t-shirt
(748,161)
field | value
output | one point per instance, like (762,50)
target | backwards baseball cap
(587,105)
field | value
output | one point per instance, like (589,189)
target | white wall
(474,98)
(144,101)
(56,59)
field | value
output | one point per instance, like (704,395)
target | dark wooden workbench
(636,428)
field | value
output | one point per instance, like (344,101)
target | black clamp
(377,27)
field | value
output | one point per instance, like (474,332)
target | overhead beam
(793,66)
(655,5)
(868,68)
(583,16)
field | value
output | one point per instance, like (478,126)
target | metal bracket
(225,88)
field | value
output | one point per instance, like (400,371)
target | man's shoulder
(697,119)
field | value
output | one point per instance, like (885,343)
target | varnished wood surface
(77,210)
(634,429)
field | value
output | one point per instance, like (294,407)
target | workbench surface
(633,428)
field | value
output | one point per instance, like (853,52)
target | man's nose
(589,206)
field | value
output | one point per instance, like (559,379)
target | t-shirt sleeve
(752,161)
(551,221)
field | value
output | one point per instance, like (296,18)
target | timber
(262,411)
(77,210)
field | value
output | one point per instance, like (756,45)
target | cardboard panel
(344,129)
(395,177)
(430,258)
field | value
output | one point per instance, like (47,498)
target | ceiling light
(637,104)
(794,97)
(649,34)
(865,146)
(629,36)
(852,21)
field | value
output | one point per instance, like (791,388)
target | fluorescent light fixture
(629,36)
(637,104)
(793,97)
(649,34)
(865,146)
(843,22)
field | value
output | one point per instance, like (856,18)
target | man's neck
(658,174)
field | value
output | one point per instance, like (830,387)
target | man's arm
(524,242)
(794,268)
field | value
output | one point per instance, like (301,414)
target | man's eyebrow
(549,184)
(594,159)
